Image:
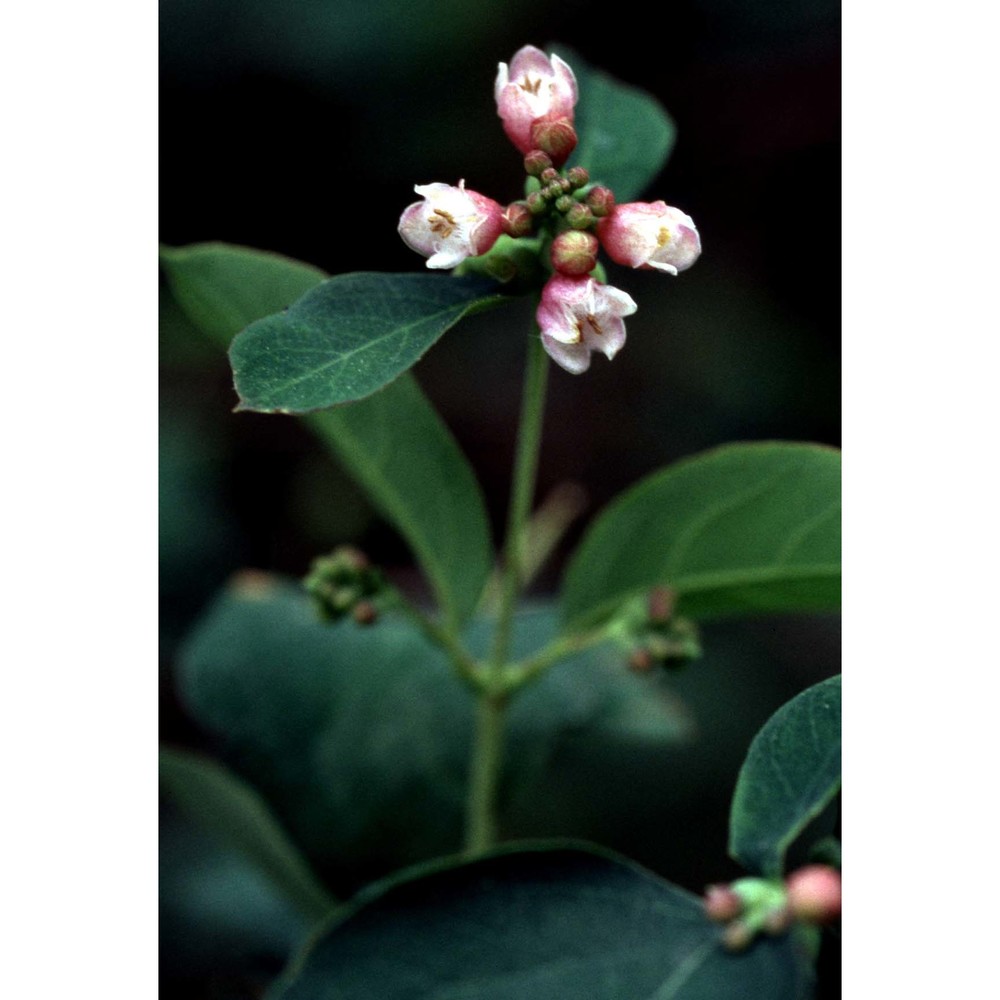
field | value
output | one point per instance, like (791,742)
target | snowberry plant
(365,729)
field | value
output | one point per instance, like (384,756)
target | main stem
(487,748)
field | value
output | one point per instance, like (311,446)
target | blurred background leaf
(359,738)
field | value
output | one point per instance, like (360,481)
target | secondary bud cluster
(568,220)
(661,637)
(751,906)
(344,582)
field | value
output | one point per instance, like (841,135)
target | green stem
(487,748)
(484,774)
(522,489)
(465,666)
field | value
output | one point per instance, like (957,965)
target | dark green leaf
(393,443)
(359,738)
(742,528)
(225,806)
(348,337)
(792,771)
(625,136)
(224,288)
(558,924)
(396,446)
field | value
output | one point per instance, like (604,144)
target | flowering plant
(341,702)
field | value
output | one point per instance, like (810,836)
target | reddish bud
(722,904)
(640,661)
(579,216)
(578,177)
(536,202)
(574,253)
(517,219)
(814,894)
(778,921)
(536,163)
(661,604)
(601,200)
(557,137)
(549,175)
(737,936)
(365,613)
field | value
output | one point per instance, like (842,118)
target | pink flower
(535,88)
(450,224)
(650,236)
(580,315)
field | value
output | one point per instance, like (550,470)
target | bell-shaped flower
(580,315)
(535,88)
(450,224)
(654,236)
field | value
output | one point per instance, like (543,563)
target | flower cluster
(568,218)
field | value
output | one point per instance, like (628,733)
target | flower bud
(536,202)
(518,220)
(534,87)
(651,236)
(661,604)
(450,224)
(737,936)
(549,175)
(578,177)
(341,582)
(536,163)
(557,137)
(722,904)
(564,203)
(581,315)
(574,253)
(601,200)
(640,661)
(579,216)
(365,613)
(814,894)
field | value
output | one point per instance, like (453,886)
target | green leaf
(397,447)
(742,528)
(625,136)
(393,443)
(791,772)
(359,737)
(224,288)
(348,337)
(557,923)
(225,806)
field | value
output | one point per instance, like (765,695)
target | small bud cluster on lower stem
(751,906)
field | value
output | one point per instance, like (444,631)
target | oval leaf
(359,738)
(792,771)
(398,448)
(625,136)
(224,805)
(393,443)
(558,924)
(347,338)
(742,528)
(224,288)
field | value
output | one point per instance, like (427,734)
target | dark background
(302,127)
